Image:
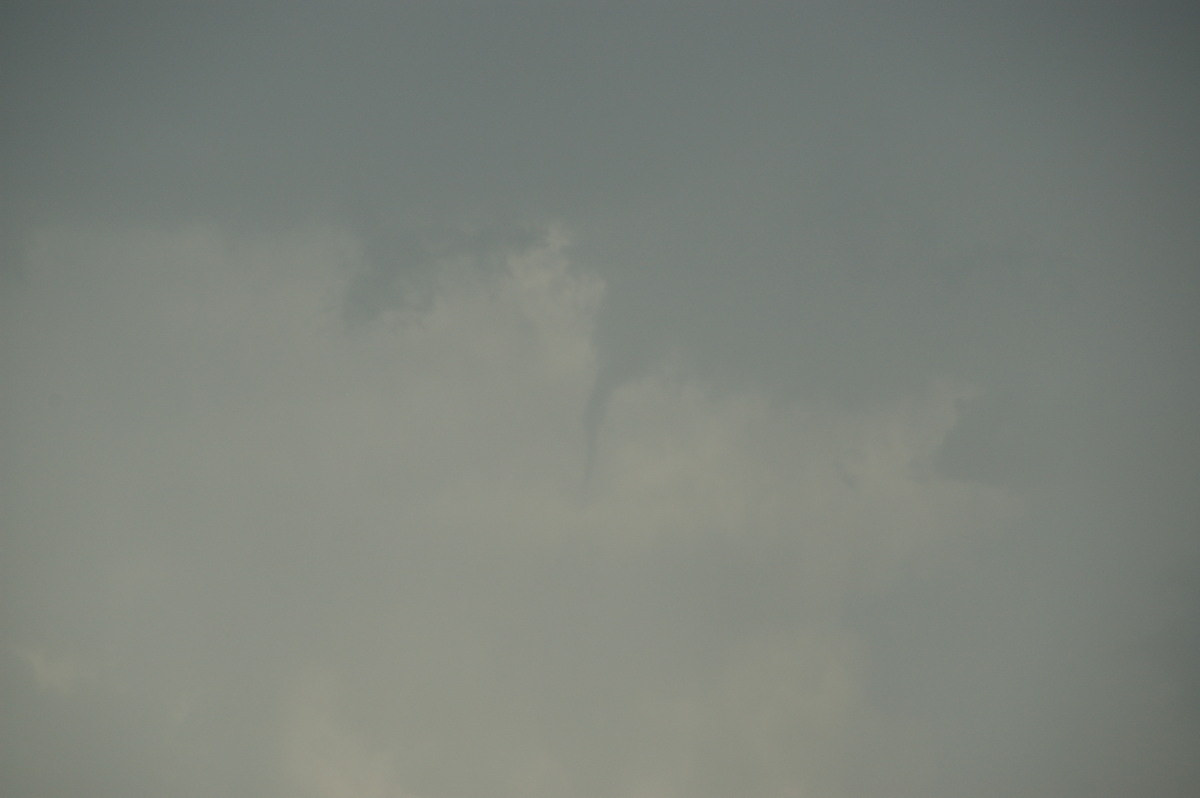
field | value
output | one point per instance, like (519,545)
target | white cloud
(392,501)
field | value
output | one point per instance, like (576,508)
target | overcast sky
(599,400)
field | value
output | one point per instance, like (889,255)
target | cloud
(60,675)
(262,489)
(839,442)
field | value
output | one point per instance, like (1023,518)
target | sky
(599,400)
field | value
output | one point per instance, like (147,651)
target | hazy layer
(484,399)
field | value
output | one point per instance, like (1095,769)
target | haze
(599,400)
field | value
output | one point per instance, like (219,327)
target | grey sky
(645,400)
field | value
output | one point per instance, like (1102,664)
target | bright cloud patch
(222,489)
